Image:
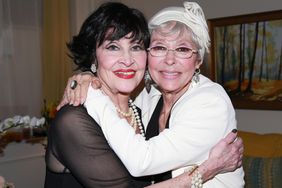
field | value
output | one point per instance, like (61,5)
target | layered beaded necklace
(135,120)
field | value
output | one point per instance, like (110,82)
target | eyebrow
(186,44)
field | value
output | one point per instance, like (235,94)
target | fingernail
(234,130)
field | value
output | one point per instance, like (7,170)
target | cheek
(189,68)
(192,66)
(188,71)
(104,61)
(104,70)
(141,64)
(141,60)
(152,64)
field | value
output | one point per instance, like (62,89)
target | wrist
(195,178)
(208,169)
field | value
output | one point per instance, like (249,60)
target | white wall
(260,121)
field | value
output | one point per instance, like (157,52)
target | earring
(93,68)
(148,81)
(196,77)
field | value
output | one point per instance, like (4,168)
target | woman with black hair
(112,44)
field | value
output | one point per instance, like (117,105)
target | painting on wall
(246,59)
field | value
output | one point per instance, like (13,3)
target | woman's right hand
(225,156)
(78,94)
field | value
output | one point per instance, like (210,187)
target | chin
(168,87)
(126,90)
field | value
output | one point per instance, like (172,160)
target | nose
(127,58)
(170,57)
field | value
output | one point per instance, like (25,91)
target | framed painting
(246,59)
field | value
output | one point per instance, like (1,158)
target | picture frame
(246,59)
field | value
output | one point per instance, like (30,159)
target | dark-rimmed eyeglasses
(180,52)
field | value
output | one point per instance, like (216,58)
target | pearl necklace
(135,121)
(125,114)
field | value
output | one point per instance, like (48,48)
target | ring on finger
(73,84)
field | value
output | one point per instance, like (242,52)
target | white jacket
(199,119)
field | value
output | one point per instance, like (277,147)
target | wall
(212,9)
(260,121)
(23,165)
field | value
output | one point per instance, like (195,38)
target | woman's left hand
(75,94)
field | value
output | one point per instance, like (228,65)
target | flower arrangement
(24,121)
(26,128)
(48,113)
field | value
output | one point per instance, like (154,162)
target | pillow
(262,145)
(262,172)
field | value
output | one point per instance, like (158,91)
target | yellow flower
(49,111)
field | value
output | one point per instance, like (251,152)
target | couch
(262,160)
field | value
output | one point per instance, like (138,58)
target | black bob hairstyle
(121,19)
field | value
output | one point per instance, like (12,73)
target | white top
(199,119)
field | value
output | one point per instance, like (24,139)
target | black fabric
(153,125)
(153,130)
(63,180)
(77,143)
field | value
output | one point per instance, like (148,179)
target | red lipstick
(125,73)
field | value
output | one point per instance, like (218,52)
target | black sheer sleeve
(77,144)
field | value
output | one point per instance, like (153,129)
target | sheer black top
(78,155)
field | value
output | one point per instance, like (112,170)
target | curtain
(6,33)
(20,62)
(56,65)
(33,57)
(79,12)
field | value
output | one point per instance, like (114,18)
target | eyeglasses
(180,52)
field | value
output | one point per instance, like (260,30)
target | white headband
(191,15)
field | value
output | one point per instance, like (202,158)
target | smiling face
(121,64)
(171,73)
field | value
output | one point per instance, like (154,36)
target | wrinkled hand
(227,155)
(78,95)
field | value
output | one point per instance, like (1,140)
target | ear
(198,64)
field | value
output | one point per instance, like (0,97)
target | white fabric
(191,14)
(200,118)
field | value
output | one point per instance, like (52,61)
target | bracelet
(196,180)
(192,169)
